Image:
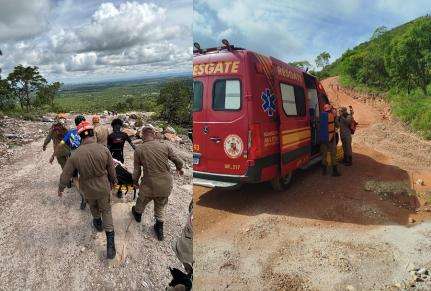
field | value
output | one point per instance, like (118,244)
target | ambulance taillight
(254,141)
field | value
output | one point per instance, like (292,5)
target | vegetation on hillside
(26,87)
(25,92)
(397,62)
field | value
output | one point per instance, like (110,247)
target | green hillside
(398,62)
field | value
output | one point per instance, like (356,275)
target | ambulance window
(198,88)
(227,95)
(293,100)
(313,101)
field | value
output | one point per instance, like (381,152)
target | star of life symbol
(268,104)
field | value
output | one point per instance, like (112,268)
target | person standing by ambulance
(97,176)
(101,132)
(328,125)
(56,134)
(346,120)
(151,159)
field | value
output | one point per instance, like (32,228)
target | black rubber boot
(97,222)
(83,204)
(323,170)
(335,172)
(158,228)
(119,193)
(344,161)
(136,215)
(110,245)
(349,161)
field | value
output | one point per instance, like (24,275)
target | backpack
(353,126)
(72,139)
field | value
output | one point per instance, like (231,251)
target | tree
(25,81)
(322,60)
(129,101)
(175,102)
(46,93)
(409,57)
(379,31)
(7,100)
(301,65)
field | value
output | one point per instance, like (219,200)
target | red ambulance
(255,118)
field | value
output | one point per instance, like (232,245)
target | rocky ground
(47,243)
(15,132)
(369,229)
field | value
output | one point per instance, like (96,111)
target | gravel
(49,244)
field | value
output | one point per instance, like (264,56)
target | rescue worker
(183,248)
(151,158)
(97,176)
(71,141)
(346,120)
(328,126)
(56,134)
(117,139)
(101,132)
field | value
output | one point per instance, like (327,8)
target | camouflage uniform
(183,248)
(56,134)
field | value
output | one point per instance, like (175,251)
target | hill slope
(396,62)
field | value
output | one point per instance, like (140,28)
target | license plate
(196,159)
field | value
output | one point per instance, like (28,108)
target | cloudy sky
(91,40)
(294,30)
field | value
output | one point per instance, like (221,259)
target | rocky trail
(369,229)
(48,243)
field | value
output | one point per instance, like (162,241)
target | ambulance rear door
(295,132)
(313,111)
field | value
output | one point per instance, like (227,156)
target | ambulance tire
(282,183)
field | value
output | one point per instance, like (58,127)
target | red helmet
(83,126)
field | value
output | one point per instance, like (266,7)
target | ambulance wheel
(281,183)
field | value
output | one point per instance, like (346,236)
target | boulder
(47,119)
(172,137)
(133,116)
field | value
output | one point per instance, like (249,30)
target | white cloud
(298,30)
(21,19)
(82,62)
(102,39)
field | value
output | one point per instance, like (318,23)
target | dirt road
(323,233)
(47,243)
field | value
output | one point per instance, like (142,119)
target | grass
(119,98)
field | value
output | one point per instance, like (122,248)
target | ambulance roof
(221,54)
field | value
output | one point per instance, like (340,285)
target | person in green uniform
(95,166)
(151,159)
(346,120)
(56,134)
